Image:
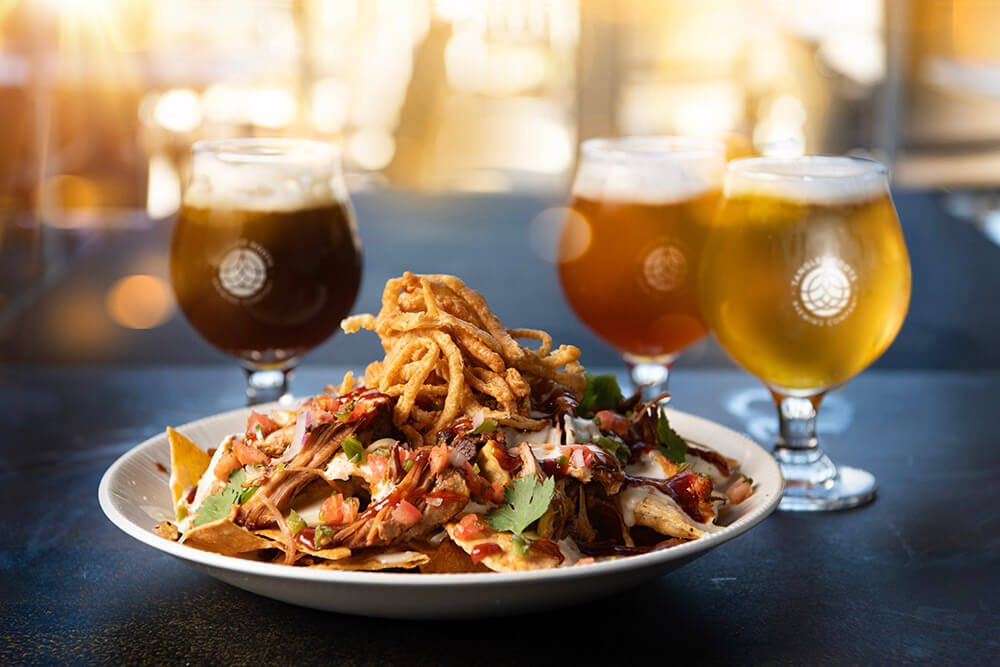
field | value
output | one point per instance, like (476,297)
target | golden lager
(805,278)
(631,250)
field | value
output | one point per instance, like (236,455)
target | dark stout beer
(266,286)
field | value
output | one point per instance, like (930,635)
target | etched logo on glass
(664,267)
(243,272)
(824,289)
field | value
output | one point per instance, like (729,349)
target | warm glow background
(100,101)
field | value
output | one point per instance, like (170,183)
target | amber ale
(631,249)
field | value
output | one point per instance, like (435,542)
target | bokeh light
(178,110)
(272,107)
(371,148)
(559,234)
(70,201)
(140,302)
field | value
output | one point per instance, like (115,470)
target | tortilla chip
(188,463)
(507,560)
(379,560)
(224,537)
(273,534)
(449,558)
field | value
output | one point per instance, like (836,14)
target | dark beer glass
(265,259)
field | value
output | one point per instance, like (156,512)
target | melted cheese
(647,465)
(633,496)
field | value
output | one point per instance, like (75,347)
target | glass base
(833,488)
(266,386)
(650,374)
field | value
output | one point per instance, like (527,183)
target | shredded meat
(321,445)
(438,497)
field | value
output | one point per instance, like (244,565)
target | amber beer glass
(265,259)
(631,246)
(805,282)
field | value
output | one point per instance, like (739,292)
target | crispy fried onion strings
(447,355)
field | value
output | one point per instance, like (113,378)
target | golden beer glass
(805,281)
(630,248)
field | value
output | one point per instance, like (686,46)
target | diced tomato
(406,513)
(483,551)
(579,456)
(326,403)
(439,459)
(470,526)
(612,421)
(336,511)
(498,491)
(267,425)
(379,466)
(480,487)
(226,465)
(248,455)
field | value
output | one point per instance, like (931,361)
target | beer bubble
(559,234)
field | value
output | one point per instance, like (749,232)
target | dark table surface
(912,577)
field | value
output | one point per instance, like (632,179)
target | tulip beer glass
(805,281)
(631,246)
(265,259)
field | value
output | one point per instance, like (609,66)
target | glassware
(630,248)
(265,259)
(805,282)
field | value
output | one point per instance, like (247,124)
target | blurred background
(459,122)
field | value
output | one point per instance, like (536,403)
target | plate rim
(280,571)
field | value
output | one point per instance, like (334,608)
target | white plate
(135,495)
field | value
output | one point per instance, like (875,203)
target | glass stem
(797,448)
(266,386)
(651,375)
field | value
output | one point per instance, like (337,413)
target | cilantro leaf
(217,505)
(616,447)
(600,393)
(524,503)
(671,444)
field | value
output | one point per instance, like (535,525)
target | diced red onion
(456,458)
(299,439)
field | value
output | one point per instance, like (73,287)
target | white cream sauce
(207,485)
(633,496)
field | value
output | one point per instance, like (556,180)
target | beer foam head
(649,170)
(812,179)
(262,174)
